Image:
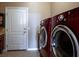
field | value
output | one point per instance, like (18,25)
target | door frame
(6,43)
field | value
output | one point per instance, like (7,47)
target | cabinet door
(2,19)
(2,42)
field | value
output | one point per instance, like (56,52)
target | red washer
(44,39)
(65,34)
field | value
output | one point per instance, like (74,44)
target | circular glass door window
(62,44)
(43,37)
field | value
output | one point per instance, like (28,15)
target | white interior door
(16,28)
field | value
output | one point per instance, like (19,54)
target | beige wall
(59,7)
(37,12)
(43,8)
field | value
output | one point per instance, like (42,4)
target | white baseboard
(32,49)
(28,49)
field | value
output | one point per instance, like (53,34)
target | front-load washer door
(63,42)
(43,37)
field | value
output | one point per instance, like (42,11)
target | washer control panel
(61,18)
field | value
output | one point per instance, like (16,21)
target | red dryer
(65,34)
(44,38)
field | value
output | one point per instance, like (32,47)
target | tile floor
(20,54)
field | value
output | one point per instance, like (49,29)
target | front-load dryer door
(63,42)
(43,37)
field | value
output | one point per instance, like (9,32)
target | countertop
(2,31)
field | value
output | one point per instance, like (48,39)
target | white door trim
(6,27)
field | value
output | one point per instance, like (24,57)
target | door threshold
(17,50)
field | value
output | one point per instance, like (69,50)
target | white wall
(37,12)
(59,7)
